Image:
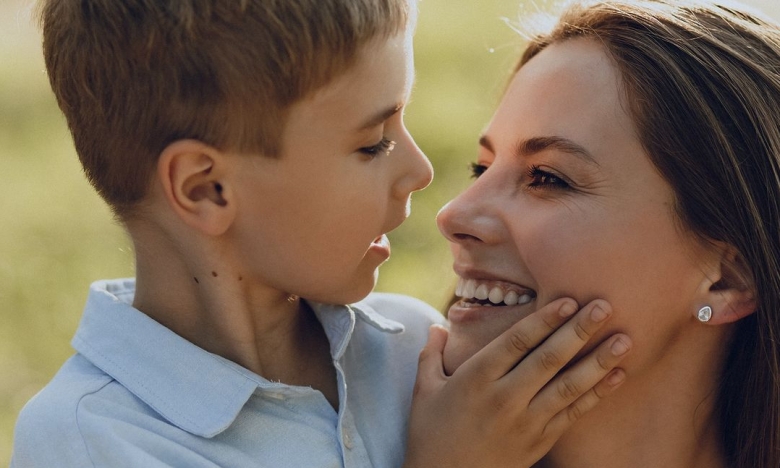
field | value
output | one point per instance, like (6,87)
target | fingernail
(598,314)
(567,309)
(616,377)
(619,347)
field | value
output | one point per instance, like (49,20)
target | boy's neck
(255,327)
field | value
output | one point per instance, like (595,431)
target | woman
(636,157)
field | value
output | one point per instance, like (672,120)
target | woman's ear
(731,292)
(195,182)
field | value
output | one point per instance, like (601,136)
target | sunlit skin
(314,213)
(227,238)
(569,204)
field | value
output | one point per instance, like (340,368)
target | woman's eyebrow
(534,145)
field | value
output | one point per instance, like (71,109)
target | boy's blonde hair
(132,76)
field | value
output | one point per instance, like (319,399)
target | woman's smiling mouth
(475,292)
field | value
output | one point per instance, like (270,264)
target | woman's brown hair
(702,84)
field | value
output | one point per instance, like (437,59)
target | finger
(569,415)
(535,371)
(588,373)
(503,353)
(430,367)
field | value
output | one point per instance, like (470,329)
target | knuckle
(500,404)
(581,332)
(568,390)
(550,322)
(519,341)
(470,377)
(551,361)
(574,412)
(603,362)
(482,374)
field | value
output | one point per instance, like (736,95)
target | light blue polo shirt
(138,395)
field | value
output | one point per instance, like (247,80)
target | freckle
(214,274)
(240,278)
(196,279)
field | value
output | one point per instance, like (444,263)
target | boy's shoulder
(48,432)
(85,418)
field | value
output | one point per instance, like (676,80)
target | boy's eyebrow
(381,117)
(531,146)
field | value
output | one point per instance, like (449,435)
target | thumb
(430,368)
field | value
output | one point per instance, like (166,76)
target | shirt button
(347,439)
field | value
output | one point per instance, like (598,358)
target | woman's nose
(472,216)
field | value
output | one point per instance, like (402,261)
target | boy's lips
(381,246)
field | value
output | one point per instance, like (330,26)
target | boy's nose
(418,174)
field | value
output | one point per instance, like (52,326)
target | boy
(256,153)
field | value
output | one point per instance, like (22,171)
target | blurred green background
(56,236)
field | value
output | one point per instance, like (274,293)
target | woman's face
(567,203)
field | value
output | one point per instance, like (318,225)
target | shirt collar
(167,372)
(339,321)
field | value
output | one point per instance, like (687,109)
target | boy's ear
(195,183)
(732,294)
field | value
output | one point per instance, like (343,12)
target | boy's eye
(477,170)
(541,179)
(384,147)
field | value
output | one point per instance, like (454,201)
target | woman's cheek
(564,254)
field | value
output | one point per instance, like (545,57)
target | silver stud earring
(704,314)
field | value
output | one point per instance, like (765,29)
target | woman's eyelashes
(384,147)
(538,178)
(542,179)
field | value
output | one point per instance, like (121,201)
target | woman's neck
(664,417)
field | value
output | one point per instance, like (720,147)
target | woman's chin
(473,328)
(460,348)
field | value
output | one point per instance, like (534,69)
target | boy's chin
(350,294)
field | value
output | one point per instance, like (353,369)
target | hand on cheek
(508,404)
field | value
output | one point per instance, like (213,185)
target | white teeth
(470,289)
(496,295)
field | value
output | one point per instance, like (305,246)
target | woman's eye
(384,147)
(541,179)
(477,170)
